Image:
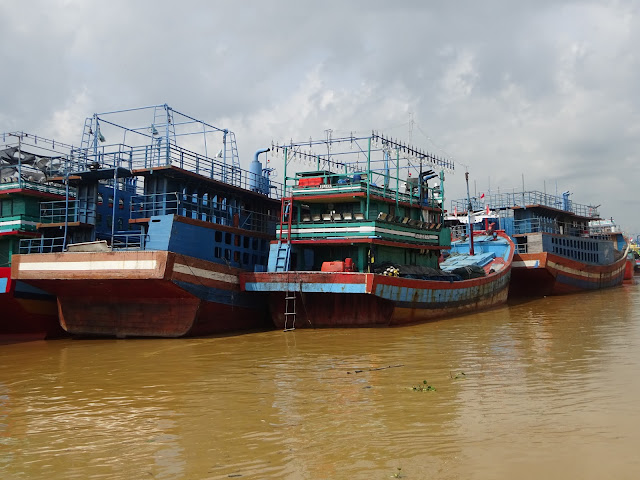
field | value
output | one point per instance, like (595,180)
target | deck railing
(126,240)
(378,184)
(503,201)
(201,208)
(41,245)
(13,183)
(459,231)
(73,211)
(546,225)
(121,241)
(154,156)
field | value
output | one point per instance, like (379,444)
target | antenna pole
(466,177)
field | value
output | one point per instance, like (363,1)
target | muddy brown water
(548,388)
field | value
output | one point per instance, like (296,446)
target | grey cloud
(544,89)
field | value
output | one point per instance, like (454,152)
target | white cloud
(546,89)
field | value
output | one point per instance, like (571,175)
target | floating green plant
(425,387)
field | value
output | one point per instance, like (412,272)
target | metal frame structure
(375,160)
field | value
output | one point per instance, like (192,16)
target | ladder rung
(289,313)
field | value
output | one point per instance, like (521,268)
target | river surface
(543,389)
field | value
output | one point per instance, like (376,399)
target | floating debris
(374,369)
(425,387)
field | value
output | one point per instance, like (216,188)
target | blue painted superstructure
(236,248)
(194,221)
(562,246)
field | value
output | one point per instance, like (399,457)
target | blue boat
(182,223)
(561,246)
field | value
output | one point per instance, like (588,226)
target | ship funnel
(256,182)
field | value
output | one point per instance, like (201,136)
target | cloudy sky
(542,90)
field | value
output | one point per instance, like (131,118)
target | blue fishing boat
(561,246)
(361,241)
(193,222)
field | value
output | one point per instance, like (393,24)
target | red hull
(28,319)
(25,317)
(354,299)
(369,300)
(629,267)
(542,274)
(152,295)
(321,310)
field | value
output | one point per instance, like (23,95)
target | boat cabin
(360,219)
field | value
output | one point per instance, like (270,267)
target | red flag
(482,196)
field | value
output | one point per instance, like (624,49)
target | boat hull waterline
(348,299)
(536,274)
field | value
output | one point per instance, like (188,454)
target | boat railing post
(66,210)
(115,201)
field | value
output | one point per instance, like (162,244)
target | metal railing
(379,184)
(502,201)
(121,241)
(41,245)
(60,212)
(459,231)
(155,156)
(546,225)
(19,182)
(126,240)
(201,208)
(603,229)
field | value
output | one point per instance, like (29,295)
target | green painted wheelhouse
(339,216)
(361,241)
(385,208)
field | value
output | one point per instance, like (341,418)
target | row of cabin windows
(350,211)
(110,201)
(575,243)
(120,222)
(242,258)
(576,254)
(243,241)
(257,245)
